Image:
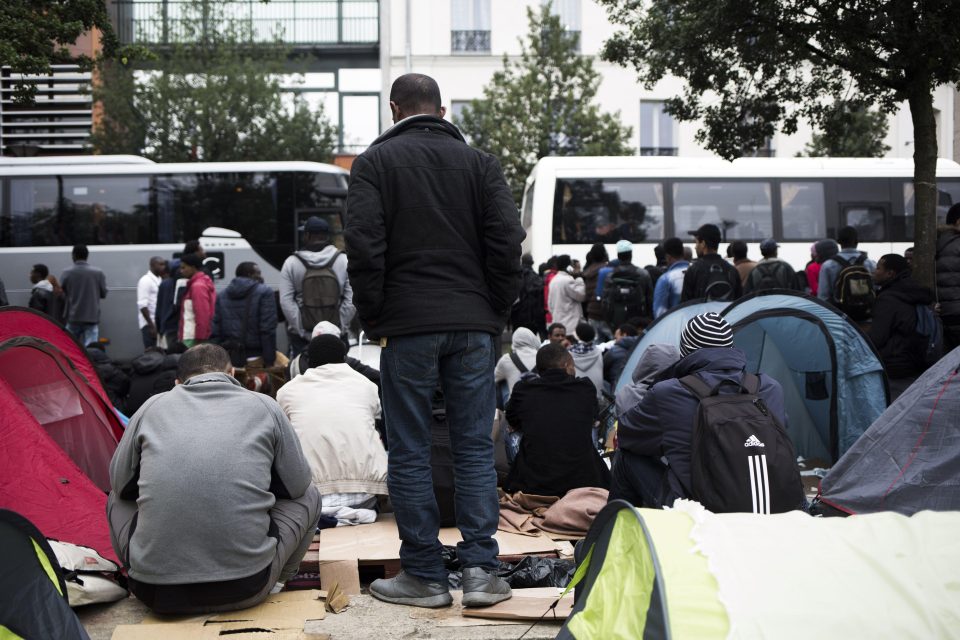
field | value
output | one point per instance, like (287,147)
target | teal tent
(833,380)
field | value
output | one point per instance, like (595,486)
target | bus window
(804,212)
(606,210)
(527,219)
(107,210)
(33,214)
(742,210)
(948,194)
(867,219)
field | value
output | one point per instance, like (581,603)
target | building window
(470,26)
(569,13)
(657,130)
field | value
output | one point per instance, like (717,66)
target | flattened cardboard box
(281,617)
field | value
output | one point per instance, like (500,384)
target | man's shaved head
(414,94)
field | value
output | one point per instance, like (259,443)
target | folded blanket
(573,514)
(518,510)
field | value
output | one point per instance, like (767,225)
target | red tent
(58,431)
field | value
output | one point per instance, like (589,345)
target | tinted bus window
(527,217)
(948,194)
(606,210)
(32,218)
(742,210)
(804,211)
(107,210)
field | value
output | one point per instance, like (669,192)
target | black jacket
(555,415)
(433,234)
(615,359)
(948,274)
(153,373)
(115,382)
(261,336)
(697,276)
(894,327)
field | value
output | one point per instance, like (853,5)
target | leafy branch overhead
(753,67)
(542,105)
(210,96)
(36,33)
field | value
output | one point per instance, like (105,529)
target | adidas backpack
(624,295)
(853,291)
(742,459)
(320,291)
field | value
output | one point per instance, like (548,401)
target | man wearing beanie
(333,409)
(661,425)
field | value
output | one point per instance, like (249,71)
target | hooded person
(587,358)
(152,372)
(524,346)
(654,366)
(660,427)
(245,317)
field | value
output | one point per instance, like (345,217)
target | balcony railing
(470,41)
(658,151)
(296,22)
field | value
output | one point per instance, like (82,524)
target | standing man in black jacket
(433,241)
(710,276)
(894,327)
(948,277)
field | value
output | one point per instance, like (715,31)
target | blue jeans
(411,369)
(85,332)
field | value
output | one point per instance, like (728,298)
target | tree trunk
(925,183)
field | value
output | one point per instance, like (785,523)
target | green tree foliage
(849,130)
(210,96)
(35,33)
(753,66)
(542,105)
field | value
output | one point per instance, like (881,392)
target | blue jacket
(261,338)
(615,358)
(662,424)
(666,295)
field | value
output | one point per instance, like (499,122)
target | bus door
(868,218)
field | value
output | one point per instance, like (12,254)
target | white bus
(569,203)
(128,211)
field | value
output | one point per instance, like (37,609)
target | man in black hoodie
(433,239)
(894,327)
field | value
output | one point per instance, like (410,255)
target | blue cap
(624,246)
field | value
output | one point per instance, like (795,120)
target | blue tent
(833,380)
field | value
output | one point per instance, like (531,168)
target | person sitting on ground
(211,505)
(616,356)
(333,410)
(115,382)
(587,358)
(894,327)
(710,277)
(555,414)
(153,372)
(556,334)
(655,365)
(661,425)
(245,317)
(521,359)
(669,288)
(744,265)
(301,362)
(771,272)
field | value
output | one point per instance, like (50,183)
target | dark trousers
(148,339)
(639,480)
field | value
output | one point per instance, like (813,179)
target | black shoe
(482,588)
(407,589)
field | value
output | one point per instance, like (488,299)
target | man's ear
(395,111)
(233,372)
(443,112)
(176,382)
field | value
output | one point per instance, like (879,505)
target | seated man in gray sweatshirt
(211,504)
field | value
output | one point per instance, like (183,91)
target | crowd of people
(207,457)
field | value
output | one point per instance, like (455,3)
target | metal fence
(304,22)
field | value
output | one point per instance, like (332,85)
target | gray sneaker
(482,589)
(407,589)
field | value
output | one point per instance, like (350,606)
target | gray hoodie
(653,364)
(525,344)
(588,361)
(291,283)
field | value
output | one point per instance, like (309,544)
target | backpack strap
(696,385)
(518,362)
(843,262)
(750,383)
(296,254)
(860,259)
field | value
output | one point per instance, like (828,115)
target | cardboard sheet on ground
(526,601)
(281,616)
(526,608)
(381,541)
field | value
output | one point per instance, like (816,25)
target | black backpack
(930,329)
(624,295)
(773,274)
(320,294)
(528,310)
(742,459)
(719,287)
(853,290)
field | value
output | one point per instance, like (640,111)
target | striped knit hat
(705,331)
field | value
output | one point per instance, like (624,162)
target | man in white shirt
(333,409)
(147,288)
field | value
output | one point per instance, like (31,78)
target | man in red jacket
(196,307)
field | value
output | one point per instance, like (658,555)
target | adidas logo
(753,441)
